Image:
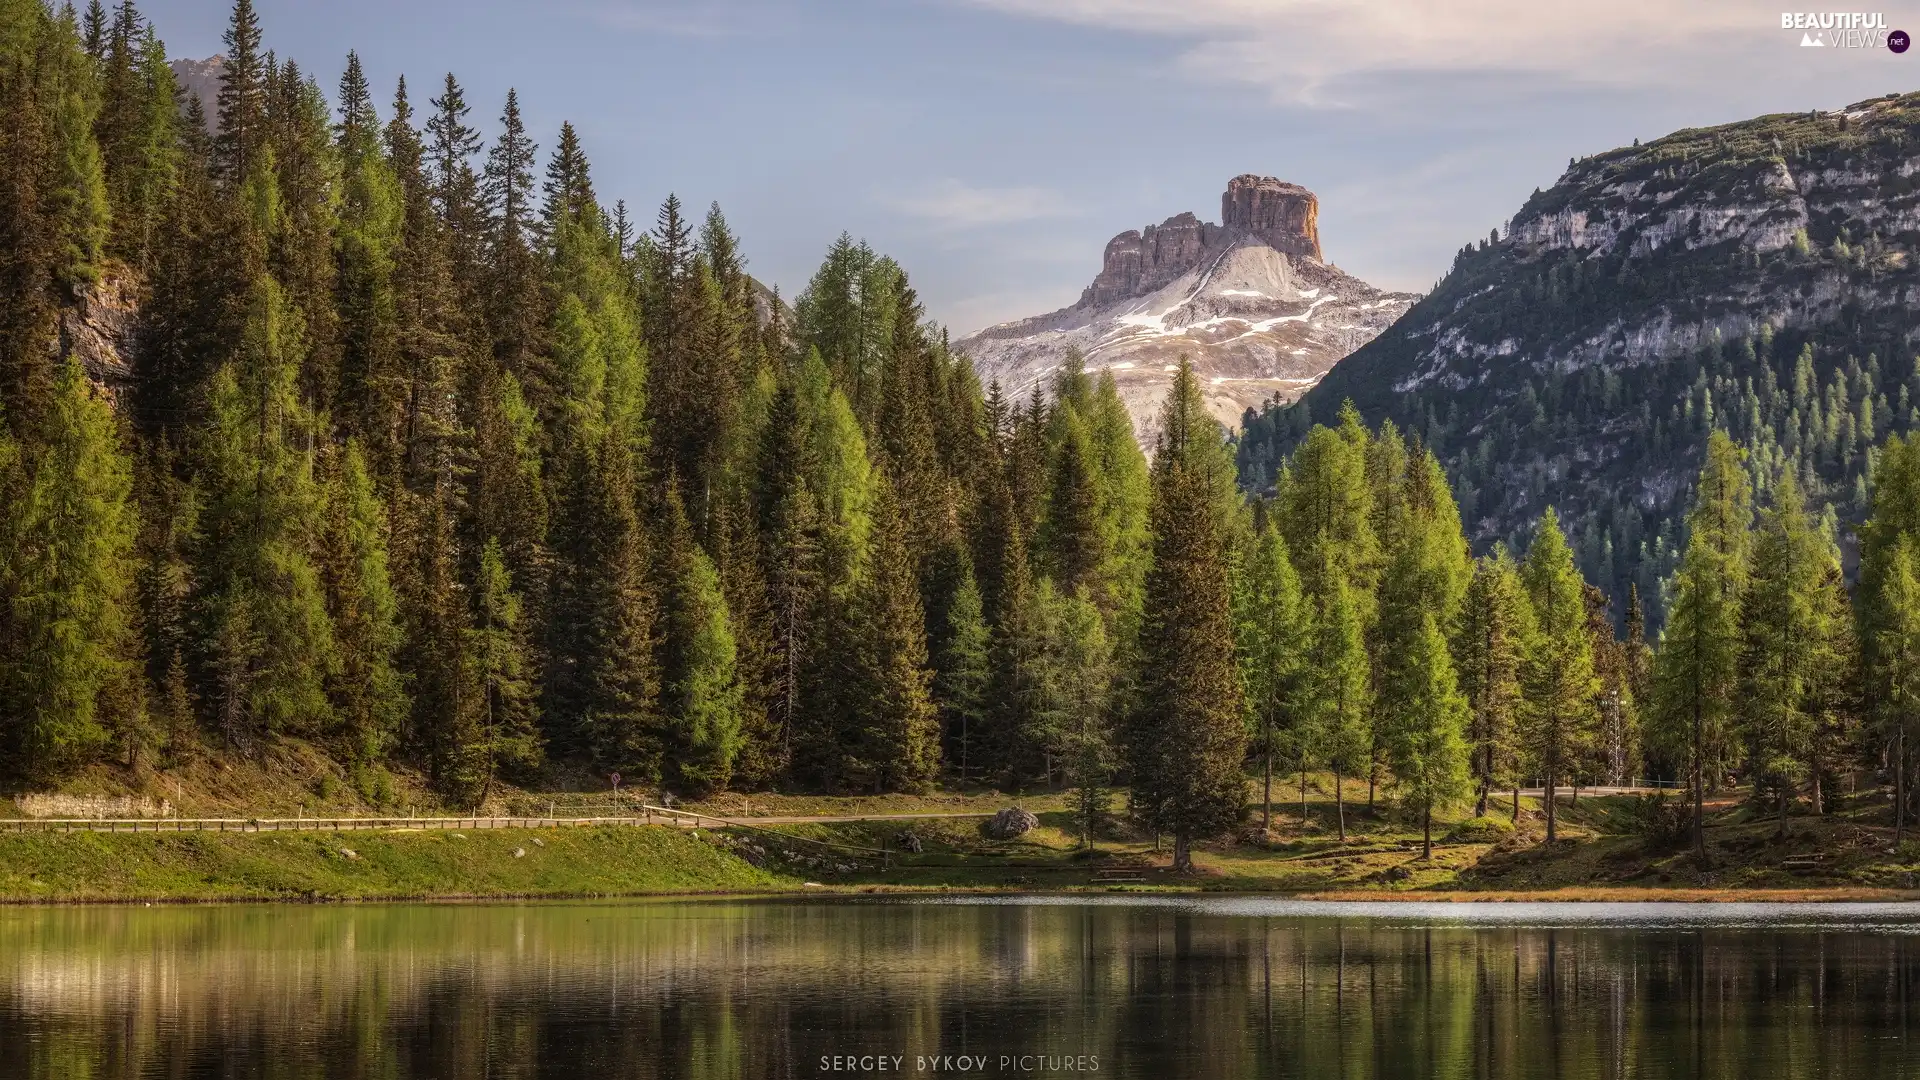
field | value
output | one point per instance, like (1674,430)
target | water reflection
(1179,988)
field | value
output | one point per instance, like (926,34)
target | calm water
(1230,988)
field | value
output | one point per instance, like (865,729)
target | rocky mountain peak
(1284,216)
(1251,301)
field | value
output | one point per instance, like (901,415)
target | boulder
(908,843)
(1010,823)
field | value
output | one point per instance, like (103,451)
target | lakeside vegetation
(448,491)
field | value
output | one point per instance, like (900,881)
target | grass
(604,861)
(1599,854)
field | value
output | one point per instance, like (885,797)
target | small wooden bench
(1123,875)
(1802,862)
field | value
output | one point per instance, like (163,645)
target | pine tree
(1557,682)
(1186,739)
(69,672)
(568,190)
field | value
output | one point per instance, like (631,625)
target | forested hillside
(405,456)
(424,455)
(1758,277)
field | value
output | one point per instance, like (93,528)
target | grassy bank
(1604,853)
(610,861)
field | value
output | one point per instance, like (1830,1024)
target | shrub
(1662,823)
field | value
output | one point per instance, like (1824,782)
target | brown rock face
(1280,215)
(1284,215)
(1140,261)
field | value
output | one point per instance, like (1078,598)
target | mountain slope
(1760,276)
(1250,300)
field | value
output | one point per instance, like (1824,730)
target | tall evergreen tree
(1186,737)
(1695,672)
(369,692)
(1557,682)
(69,671)
(1495,624)
(1274,630)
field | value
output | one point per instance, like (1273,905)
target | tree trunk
(1266,766)
(1373,775)
(1486,783)
(1303,796)
(1552,820)
(1340,805)
(1182,853)
(1426,835)
(1899,786)
(1699,787)
(1516,802)
(1576,791)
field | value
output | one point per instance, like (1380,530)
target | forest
(429,458)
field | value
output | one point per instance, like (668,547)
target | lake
(1028,986)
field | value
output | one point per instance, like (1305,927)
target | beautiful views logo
(1842,30)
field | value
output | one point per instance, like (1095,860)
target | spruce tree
(894,739)
(1186,738)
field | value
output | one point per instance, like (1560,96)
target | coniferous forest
(428,457)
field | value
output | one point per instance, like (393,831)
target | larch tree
(1557,681)
(1695,673)
(1490,648)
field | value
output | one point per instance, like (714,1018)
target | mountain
(1760,277)
(1251,300)
(200,78)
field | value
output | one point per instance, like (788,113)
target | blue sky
(993,146)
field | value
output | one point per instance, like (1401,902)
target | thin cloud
(695,18)
(1316,52)
(951,204)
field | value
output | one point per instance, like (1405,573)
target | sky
(993,147)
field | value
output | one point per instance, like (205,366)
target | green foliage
(68,676)
(369,692)
(1496,623)
(700,691)
(1186,736)
(1557,681)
